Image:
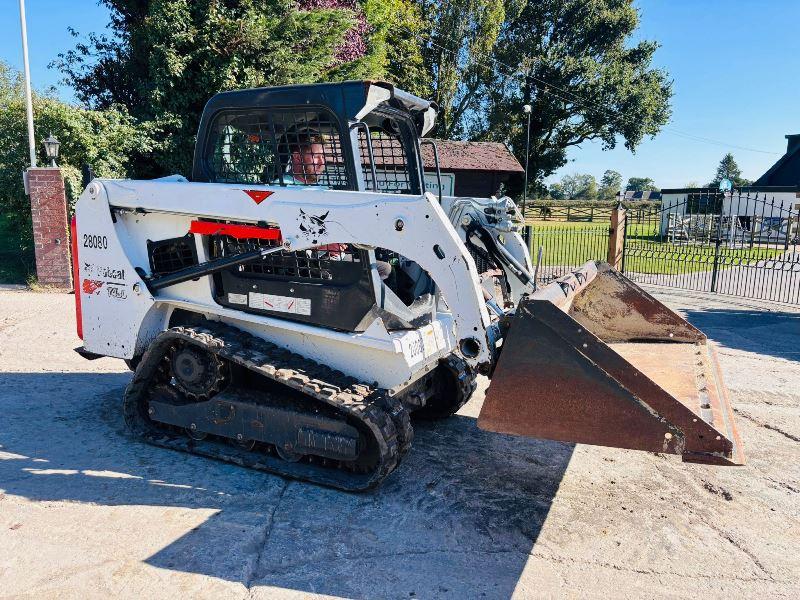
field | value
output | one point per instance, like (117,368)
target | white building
(749,215)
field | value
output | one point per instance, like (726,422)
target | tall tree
(610,185)
(575,63)
(383,43)
(557,191)
(458,55)
(163,60)
(728,169)
(641,184)
(393,41)
(579,186)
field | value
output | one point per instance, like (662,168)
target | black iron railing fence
(565,247)
(743,244)
(736,243)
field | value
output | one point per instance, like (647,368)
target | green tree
(163,60)
(577,64)
(458,55)
(641,184)
(557,192)
(393,42)
(104,139)
(579,186)
(728,169)
(610,185)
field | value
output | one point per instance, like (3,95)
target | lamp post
(527,110)
(51,145)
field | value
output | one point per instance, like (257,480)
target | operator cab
(350,136)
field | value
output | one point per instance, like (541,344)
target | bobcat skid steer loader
(290,306)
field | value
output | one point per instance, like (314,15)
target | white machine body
(116,218)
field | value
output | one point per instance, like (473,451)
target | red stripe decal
(90,286)
(236,231)
(73,229)
(258,196)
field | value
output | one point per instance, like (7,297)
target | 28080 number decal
(99,242)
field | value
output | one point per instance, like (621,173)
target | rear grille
(170,255)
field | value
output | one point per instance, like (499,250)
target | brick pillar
(50,230)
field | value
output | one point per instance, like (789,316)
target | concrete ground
(87,512)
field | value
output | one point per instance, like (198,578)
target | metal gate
(565,246)
(729,243)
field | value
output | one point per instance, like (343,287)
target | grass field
(574,243)
(15,265)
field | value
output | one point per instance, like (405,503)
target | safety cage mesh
(298,148)
(390,161)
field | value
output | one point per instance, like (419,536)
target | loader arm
(491,224)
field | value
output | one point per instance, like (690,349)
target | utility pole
(28,101)
(527,109)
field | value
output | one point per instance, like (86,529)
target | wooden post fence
(616,236)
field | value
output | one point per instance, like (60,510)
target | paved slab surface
(86,512)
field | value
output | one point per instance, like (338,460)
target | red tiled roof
(472,156)
(453,155)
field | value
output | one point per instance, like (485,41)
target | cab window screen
(391,148)
(297,148)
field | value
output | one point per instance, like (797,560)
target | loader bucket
(594,359)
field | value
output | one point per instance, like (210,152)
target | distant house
(754,213)
(475,168)
(631,195)
(785,172)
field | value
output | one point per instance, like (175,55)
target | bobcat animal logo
(313,226)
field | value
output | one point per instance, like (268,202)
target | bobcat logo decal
(313,226)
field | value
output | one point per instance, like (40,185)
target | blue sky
(735,66)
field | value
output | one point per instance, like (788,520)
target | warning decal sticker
(258,196)
(286,304)
(237,298)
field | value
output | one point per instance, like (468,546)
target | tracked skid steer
(291,306)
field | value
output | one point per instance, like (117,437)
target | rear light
(73,229)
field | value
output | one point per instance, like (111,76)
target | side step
(86,354)
(654,386)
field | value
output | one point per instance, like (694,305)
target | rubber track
(467,381)
(383,417)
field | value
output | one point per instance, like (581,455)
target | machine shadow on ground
(461,514)
(760,332)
